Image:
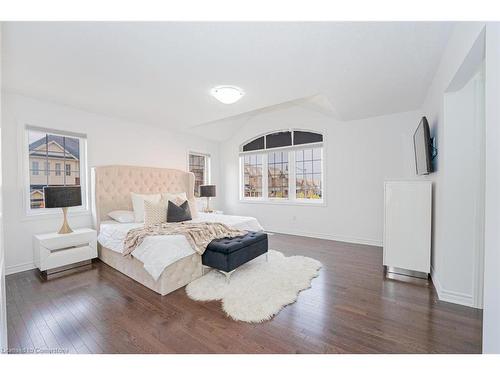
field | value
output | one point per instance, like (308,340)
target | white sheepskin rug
(257,290)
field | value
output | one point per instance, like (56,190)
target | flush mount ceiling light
(227,94)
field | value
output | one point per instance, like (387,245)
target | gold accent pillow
(155,213)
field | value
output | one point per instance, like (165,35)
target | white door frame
(472,70)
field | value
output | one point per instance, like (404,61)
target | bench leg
(227,274)
(203,270)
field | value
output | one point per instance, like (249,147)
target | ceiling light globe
(227,94)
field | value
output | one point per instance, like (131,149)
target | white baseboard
(359,241)
(450,295)
(9,270)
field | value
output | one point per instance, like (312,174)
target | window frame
(34,213)
(208,166)
(242,176)
(289,162)
(292,198)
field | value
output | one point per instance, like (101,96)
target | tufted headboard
(112,185)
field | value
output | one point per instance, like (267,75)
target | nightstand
(58,252)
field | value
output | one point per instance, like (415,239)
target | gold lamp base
(207,209)
(65,228)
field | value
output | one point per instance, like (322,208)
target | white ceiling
(161,73)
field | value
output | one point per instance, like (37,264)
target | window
(293,160)
(277,171)
(252,169)
(308,171)
(35,168)
(279,139)
(199,164)
(256,144)
(52,150)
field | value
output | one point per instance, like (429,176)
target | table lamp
(63,197)
(207,191)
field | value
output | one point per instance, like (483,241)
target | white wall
(359,156)
(109,141)
(491,313)
(450,285)
(3,308)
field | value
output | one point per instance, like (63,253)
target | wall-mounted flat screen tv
(422,144)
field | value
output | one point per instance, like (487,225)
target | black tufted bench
(227,254)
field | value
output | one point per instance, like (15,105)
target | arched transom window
(283,166)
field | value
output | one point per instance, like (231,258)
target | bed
(161,263)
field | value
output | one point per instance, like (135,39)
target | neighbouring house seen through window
(277,166)
(47,153)
(252,170)
(199,165)
(308,170)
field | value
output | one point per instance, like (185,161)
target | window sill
(52,215)
(285,202)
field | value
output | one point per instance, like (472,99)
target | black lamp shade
(62,196)
(207,191)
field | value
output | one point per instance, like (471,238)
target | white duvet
(158,252)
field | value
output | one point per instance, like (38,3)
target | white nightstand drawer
(54,241)
(53,250)
(53,259)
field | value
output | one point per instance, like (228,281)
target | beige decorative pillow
(193,208)
(138,204)
(155,213)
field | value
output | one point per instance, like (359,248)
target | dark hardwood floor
(351,308)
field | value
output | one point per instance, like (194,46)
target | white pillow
(122,216)
(138,204)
